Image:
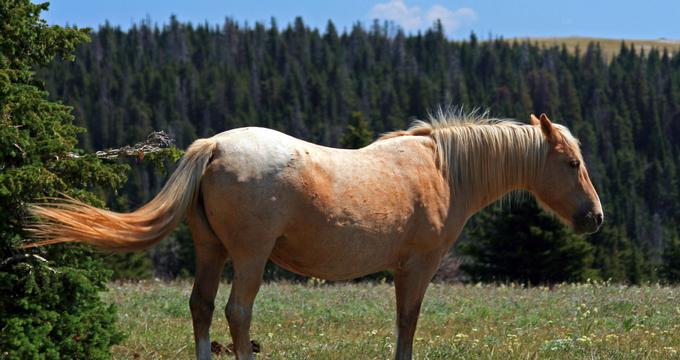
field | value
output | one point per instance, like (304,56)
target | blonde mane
(474,149)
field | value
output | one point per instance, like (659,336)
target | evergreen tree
(613,254)
(49,309)
(525,245)
(670,270)
(358,134)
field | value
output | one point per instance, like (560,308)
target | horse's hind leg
(210,259)
(249,259)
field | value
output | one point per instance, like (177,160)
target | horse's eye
(575,163)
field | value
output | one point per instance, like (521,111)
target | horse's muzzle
(588,222)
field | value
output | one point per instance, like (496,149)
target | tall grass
(356,321)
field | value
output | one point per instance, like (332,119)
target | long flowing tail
(73,221)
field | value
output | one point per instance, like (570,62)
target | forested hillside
(195,81)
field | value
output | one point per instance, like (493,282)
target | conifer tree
(49,308)
(358,133)
(670,270)
(525,245)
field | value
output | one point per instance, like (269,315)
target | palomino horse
(255,194)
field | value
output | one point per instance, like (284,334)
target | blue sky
(650,19)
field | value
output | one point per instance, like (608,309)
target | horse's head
(563,185)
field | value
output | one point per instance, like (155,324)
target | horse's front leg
(411,282)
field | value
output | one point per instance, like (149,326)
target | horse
(254,194)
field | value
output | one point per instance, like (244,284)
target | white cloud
(411,18)
(396,10)
(451,20)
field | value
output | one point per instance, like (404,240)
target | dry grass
(610,47)
(356,321)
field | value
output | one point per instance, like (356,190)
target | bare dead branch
(155,142)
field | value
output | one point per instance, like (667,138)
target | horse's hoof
(219,349)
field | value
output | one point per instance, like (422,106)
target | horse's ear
(533,120)
(547,128)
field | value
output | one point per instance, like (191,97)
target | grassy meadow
(356,321)
(610,47)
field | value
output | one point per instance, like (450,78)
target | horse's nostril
(599,218)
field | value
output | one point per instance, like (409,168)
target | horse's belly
(337,254)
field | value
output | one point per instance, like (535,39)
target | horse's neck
(493,168)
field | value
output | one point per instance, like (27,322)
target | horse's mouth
(588,223)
